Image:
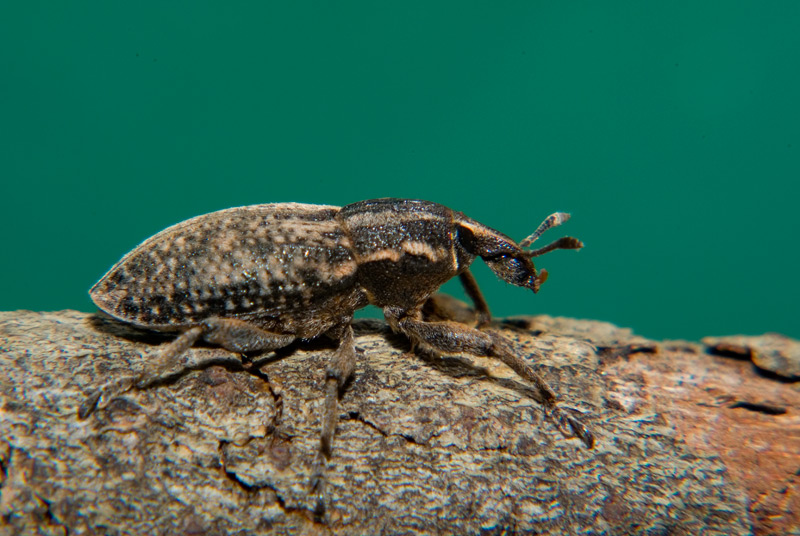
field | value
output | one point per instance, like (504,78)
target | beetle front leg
(445,307)
(451,337)
(472,289)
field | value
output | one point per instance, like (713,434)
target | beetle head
(510,261)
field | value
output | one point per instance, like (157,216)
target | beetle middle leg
(452,337)
(341,366)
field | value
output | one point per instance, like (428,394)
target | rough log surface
(687,442)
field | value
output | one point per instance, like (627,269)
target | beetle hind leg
(168,360)
(230,333)
(241,336)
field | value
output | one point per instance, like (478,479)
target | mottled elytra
(257,278)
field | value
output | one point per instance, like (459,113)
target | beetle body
(297,269)
(257,278)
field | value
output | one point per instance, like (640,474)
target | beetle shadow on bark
(258,360)
(108,325)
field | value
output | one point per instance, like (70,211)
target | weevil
(259,277)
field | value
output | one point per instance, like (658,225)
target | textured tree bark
(687,442)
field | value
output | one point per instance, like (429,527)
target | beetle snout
(517,270)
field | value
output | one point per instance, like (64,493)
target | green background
(670,130)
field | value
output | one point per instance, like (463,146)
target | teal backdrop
(670,131)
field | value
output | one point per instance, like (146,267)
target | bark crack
(48,515)
(257,488)
(277,397)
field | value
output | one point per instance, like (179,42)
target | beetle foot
(101,396)
(317,493)
(571,427)
(145,381)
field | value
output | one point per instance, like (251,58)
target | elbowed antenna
(553,220)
